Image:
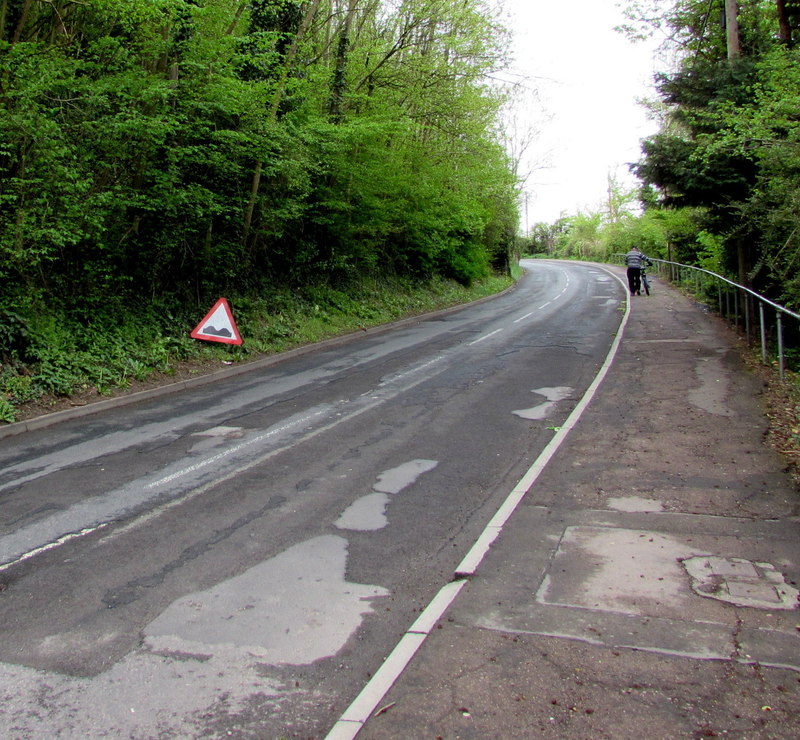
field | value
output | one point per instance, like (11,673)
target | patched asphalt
(646,586)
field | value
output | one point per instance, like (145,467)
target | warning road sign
(218,325)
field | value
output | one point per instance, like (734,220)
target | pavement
(646,584)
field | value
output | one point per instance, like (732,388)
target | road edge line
(483,544)
(364,705)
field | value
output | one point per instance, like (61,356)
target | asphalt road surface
(238,560)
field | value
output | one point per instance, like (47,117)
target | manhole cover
(740,582)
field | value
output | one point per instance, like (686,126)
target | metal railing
(735,302)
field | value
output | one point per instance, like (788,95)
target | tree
(180,148)
(788,21)
(546,237)
(288,57)
(683,161)
(733,41)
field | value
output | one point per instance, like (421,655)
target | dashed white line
(412,371)
(236,448)
(486,336)
(50,545)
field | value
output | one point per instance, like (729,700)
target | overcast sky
(587,121)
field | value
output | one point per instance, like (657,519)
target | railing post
(781,363)
(747,308)
(763,333)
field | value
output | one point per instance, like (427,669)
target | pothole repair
(740,582)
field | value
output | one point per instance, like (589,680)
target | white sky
(586,121)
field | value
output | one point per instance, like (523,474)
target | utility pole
(527,226)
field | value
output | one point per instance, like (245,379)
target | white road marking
(486,336)
(356,715)
(51,545)
(220,432)
(413,371)
(85,517)
(216,459)
(365,703)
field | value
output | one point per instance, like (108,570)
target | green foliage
(544,237)
(8,413)
(710,253)
(14,337)
(155,154)
(136,134)
(582,238)
(730,145)
(68,356)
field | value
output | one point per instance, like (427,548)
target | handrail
(763,299)
(748,293)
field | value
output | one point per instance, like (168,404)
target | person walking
(634,261)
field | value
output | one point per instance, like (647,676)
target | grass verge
(51,360)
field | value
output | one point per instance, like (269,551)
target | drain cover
(740,582)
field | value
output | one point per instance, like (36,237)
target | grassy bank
(51,359)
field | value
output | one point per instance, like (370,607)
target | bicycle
(645,281)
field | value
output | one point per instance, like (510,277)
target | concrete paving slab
(584,621)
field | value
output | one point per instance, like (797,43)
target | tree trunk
(742,263)
(237,16)
(784,27)
(23,19)
(732,30)
(280,88)
(339,82)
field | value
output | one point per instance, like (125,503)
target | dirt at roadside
(782,405)
(50,404)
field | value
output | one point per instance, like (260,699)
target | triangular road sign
(218,325)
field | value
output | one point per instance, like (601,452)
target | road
(237,560)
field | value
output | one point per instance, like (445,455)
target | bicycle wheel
(645,284)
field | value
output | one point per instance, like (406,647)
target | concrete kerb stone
(587,600)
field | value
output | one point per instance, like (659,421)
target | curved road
(238,560)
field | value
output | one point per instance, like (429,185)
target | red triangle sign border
(227,334)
